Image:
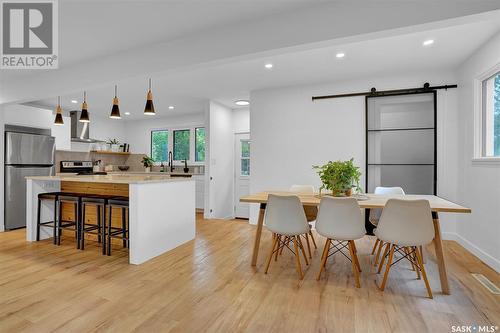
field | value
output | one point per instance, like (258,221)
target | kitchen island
(161,208)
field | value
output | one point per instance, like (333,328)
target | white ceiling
(189,90)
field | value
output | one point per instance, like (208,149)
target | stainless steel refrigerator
(28,152)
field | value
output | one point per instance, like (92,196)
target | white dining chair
(341,222)
(285,218)
(376,212)
(310,211)
(404,227)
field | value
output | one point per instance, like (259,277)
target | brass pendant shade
(59,119)
(149,109)
(84,116)
(115,110)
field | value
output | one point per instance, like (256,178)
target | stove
(79,167)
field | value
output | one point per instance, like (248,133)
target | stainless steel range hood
(79,130)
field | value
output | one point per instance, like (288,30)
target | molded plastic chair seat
(340,220)
(286,219)
(405,226)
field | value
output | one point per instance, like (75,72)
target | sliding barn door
(401,142)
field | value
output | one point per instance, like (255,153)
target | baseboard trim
(469,246)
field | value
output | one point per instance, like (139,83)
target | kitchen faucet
(170,161)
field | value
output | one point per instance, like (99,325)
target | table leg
(438,245)
(258,233)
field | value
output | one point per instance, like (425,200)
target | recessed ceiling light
(242,102)
(268,65)
(171,107)
(428,42)
(127,113)
(340,55)
(74,101)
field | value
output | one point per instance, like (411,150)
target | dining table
(367,201)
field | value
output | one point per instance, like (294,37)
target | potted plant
(339,177)
(148,163)
(114,145)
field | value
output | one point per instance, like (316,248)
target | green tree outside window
(200,144)
(159,145)
(181,145)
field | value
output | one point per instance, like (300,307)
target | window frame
(171,130)
(151,142)
(479,154)
(189,130)
(205,145)
(241,157)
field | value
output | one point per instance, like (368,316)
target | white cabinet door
(200,191)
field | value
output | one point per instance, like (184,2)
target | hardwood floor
(209,285)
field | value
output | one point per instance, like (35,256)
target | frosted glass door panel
(412,147)
(414,179)
(408,111)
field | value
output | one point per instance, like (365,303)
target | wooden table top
(374,200)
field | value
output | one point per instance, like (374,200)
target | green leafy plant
(113,141)
(147,161)
(339,177)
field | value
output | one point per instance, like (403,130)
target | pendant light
(59,119)
(84,116)
(115,110)
(149,109)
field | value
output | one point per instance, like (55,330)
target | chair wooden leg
(302,249)
(286,240)
(324,257)
(382,259)
(424,275)
(356,255)
(414,258)
(312,238)
(275,240)
(379,250)
(375,246)
(422,253)
(354,262)
(297,257)
(407,251)
(308,246)
(278,240)
(388,266)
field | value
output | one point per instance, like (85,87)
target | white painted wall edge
(483,256)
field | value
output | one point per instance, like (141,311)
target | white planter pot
(115,148)
(148,169)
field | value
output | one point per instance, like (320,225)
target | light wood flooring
(208,285)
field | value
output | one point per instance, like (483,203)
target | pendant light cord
(115,89)
(84,96)
(150,84)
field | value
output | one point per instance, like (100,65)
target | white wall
(479,183)
(241,120)
(221,162)
(290,133)
(138,131)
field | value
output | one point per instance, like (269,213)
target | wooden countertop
(113,178)
(372,200)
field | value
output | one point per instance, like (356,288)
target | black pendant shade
(115,110)
(149,109)
(59,119)
(84,116)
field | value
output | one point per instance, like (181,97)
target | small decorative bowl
(123,167)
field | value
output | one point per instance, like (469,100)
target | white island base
(162,211)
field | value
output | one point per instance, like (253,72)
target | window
(181,144)
(159,145)
(199,148)
(491,116)
(245,157)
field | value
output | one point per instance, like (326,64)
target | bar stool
(99,202)
(74,199)
(51,224)
(116,232)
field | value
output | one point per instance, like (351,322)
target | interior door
(401,142)
(241,174)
